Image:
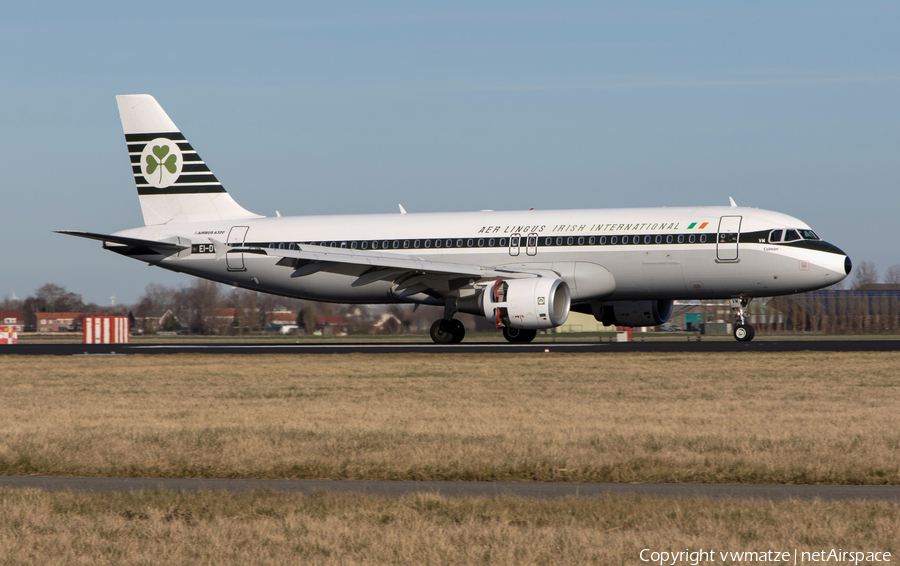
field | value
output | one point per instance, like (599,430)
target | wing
(410,273)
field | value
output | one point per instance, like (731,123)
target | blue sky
(319,108)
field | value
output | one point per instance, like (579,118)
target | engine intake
(533,303)
(632,313)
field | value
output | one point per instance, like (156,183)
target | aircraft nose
(837,268)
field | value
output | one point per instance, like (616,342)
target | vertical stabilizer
(173,182)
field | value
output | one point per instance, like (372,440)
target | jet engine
(632,313)
(539,302)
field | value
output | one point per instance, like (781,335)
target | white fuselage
(724,251)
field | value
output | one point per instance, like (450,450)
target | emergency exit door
(727,241)
(236,236)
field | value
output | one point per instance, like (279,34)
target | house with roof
(12,318)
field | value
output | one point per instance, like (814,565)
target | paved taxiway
(707,346)
(544,490)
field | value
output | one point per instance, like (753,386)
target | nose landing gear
(743,332)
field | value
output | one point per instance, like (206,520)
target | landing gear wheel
(442,331)
(744,333)
(519,335)
(458,330)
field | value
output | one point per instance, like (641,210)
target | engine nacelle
(632,313)
(539,302)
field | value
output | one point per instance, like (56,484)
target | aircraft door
(531,248)
(514,244)
(727,241)
(236,237)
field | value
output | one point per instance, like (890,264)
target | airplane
(524,270)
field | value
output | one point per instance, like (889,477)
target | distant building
(220,321)
(332,325)
(12,318)
(58,321)
(580,322)
(153,322)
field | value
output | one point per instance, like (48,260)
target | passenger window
(437,243)
(281,246)
(384,244)
(374,245)
(405,244)
(470,242)
(703,238)
(343,245)
(692,238)
(791,235)
(602,240)
(502,242)
(291,246)
(669,239)
(532,241)
(570,241)
(624,239)
(659,239)
(581,241)
(491,243)
(680,238)
(427,243)
(334,245)
(591,241)
(614,240)
(548,242)
(449,243)
(416,244)
(365,245)
(559,241)
(480,242)
(352,245)
(646,239)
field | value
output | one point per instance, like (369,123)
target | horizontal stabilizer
(152,244)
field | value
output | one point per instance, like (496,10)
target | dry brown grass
(795,418)
(276,528)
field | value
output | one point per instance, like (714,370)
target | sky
(354,107)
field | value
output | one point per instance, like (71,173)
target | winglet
(733,204)
(402,210)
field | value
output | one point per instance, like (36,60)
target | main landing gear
(519,335)
(448,331)
(743,332)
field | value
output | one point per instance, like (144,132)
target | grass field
(268,528)
(759,418)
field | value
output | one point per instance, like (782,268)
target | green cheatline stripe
(692,225)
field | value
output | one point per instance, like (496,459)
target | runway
(541,490)
(707,346)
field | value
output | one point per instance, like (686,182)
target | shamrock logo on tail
(154,163)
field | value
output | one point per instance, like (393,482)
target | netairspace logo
(696,557)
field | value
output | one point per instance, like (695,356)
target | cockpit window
(775,236)
(808,235)
(791,235)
